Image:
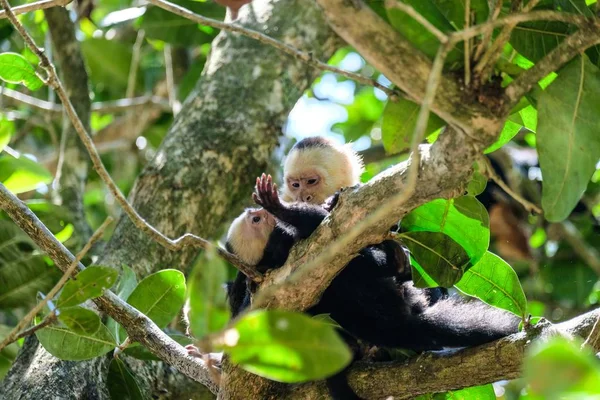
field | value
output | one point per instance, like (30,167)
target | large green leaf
(80,320)
(87,284)
(509,131)
(438,255)
(21,174)
(398,125)
(127,283)
(285,346)
(23,270)
(121,382)
(567,138)
(160,296)
(464,219)
(494,281)
(67,345)
(112,72)
(536,39)
(14,68)
(209,311)
(559,369)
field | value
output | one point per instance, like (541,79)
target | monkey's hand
(266,194)
(332,201)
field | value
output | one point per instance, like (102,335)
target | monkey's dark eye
(296,185)
(255,219)
(312,181)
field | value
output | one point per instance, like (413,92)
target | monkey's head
(249,234)
(316,168)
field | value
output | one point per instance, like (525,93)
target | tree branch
(38,5)
(187,239)
(450,370)
(573,45)
(139,327)
(306,57)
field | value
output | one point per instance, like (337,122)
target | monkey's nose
(308,198)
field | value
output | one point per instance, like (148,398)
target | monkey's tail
(458,322)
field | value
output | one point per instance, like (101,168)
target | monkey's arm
(237,294)
(305,218)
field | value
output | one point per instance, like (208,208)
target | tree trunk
(202,173)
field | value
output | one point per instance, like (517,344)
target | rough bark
(75,164)
(204,170)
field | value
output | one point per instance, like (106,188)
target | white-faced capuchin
(365,298)
(316,168)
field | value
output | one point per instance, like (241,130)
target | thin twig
(138,326)
(13,335)
(490,57)
(104,107)
(408,9)
(38,5)
(48,320)
(413,172)
(135,64)
(467,44)
(489,171)
(175,106)
(187,239)
(305,57)
(488,33)
(593,337)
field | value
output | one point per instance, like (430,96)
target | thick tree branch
(138,326)
(450,370)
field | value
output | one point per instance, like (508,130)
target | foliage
(453,242)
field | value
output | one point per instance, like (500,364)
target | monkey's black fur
(367,300)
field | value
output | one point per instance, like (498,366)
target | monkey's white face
(307,188)
(249,234)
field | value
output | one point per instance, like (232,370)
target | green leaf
(160,296)
(112,73)
(142,353)
(558,367)
(87,284)
(484,392)
(398,125)
(6,130)
(65,234)
(23,271)
(209,311)
(536,39)
(286,346)
(529,117)
(80,320)
(442,258)
(70,346)
(494,282)
(477,183)
(567,138)
(121,383)
(21,174)
(127,283)
(14,68)
(464,219)
(419,36)
(454,11)
(509,131)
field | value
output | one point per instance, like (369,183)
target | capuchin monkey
(316,168)
(365,298)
